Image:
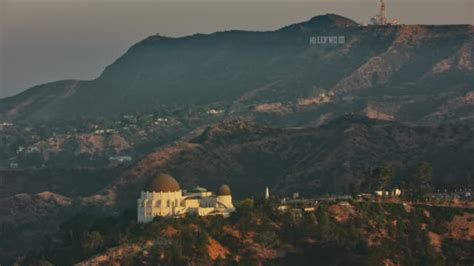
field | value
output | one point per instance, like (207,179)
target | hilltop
(411,73)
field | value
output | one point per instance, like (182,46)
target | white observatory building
(164,197)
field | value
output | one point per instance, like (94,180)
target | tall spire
(267,193)
(383,15)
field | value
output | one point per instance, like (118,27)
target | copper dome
(163,183)
(223,190)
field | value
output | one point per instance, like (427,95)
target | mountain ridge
(222,67)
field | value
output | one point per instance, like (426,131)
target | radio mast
(382,16)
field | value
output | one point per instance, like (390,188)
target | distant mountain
(312,161)
(413,73)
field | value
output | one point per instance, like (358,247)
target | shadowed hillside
(313,161)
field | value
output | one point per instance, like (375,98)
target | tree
(248,257)
(379,178)
(420,182)
(267,238)
(92,242)
(202,240)
(174,255)
(44,262)
(242,217)
(30,159)
(324,224)
(469,181)
(219,261)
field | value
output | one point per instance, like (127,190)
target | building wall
(152,204)
(205,211)
(171,204)
(226,200)
(207,202)
(191,203)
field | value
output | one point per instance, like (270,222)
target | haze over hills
(420,74)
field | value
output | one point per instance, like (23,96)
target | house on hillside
(394,193)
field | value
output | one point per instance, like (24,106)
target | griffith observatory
(164,197)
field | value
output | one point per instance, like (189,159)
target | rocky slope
(413,69)
(355,233)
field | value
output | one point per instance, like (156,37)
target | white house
(393,193)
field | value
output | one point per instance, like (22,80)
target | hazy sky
(43,41)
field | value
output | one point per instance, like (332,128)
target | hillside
(412,73)
(313,161)
(26,219)
(360,233)
(246,155)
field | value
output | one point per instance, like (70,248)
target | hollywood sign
(323,40)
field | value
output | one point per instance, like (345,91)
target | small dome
(163,183)
(223,190)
